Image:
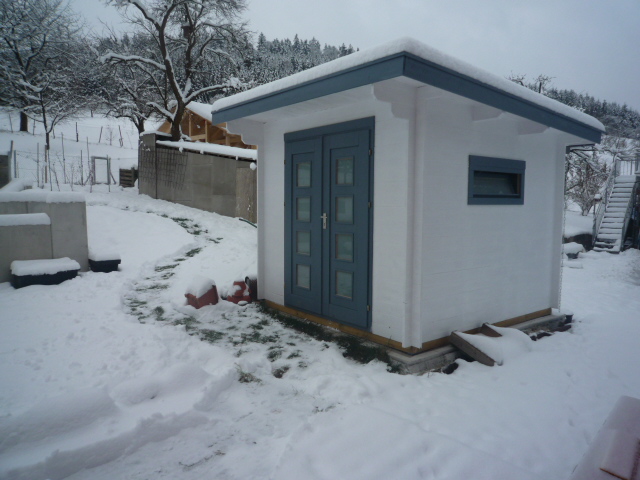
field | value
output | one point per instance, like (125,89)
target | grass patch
(211,336)
(352,347)
(256,337)
(246,377)
(188,322)
(274,353)
(159,313)
(135,303)
(193,252)
(157,286)
(279,372)
(166,267)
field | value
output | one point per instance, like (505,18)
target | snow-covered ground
(96,136)
(111,376)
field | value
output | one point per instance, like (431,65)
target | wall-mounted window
(495,181)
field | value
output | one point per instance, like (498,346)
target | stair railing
(602,206)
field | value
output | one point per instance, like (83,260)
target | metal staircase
(614,212)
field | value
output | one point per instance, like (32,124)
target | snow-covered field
(96,136)
(110,376)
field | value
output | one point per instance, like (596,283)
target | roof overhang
(405,64)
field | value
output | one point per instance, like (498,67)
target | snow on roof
(202,109)
(19,219)
(419,49)
(213,148)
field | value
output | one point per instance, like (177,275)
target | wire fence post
(38,164)
(9,162)
(64,161)
(77,136)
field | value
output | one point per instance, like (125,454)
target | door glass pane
(344,209)
(303,177)
(344,171)
(303,209)
(344,284)
(303,276)
(303,243)
(344,246)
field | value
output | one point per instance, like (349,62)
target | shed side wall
(485,263)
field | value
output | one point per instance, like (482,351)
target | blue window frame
(495,181)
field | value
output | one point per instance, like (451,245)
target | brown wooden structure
(196,123)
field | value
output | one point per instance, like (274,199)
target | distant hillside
(620,120)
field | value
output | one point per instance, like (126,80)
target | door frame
(367,123)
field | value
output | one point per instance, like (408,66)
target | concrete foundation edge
(441,357)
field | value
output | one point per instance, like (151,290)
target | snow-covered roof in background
(424,52)
(213,148)
(202,109)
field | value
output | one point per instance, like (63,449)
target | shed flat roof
(412,59)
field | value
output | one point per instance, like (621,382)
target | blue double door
(328,221)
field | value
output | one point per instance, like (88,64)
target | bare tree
(188,35)
(540,84)
(35,38)
(131,89)
(586,173)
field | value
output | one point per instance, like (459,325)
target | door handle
(324,221)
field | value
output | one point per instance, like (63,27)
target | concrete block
(68,230)
(12,208)
(23,242)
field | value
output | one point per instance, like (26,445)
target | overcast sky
(592,46)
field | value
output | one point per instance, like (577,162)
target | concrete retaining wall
(23,242)
(67,233)
(209,182)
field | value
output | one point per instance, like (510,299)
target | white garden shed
(404,194)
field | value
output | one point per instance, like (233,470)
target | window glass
(344,247)
(344,209)
(344,171)
(303,209)
(303,176)
(303,276)
(495,183)
(344,284)
(303,242)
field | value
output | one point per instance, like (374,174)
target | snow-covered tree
(38,47)
(586,173)
(188,37)
(130,90)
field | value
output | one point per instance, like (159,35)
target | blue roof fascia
(368,73)
(416,68)
(441,77)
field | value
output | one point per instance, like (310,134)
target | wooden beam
(387,342)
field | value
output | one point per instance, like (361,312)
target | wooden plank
(387,342)
(461,343)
